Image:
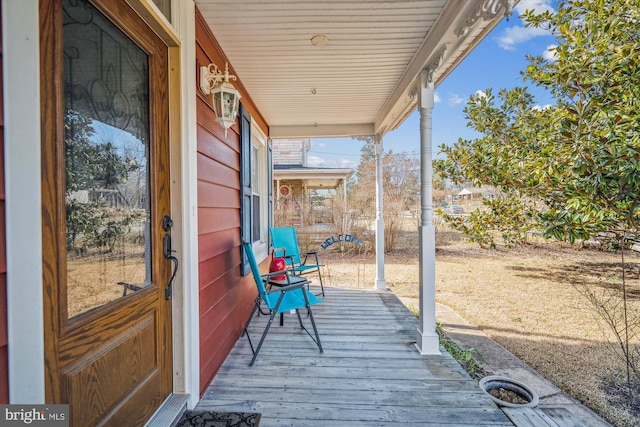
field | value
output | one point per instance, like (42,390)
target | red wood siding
(4,366)
(226,297)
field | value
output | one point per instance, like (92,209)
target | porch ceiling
(363,81)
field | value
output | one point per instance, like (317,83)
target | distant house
(294,179)
(476,193)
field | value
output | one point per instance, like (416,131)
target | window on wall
(259,186)
(255,188)
(255,184)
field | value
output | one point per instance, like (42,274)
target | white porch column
(346,225)
(427,340)
(381,283)
(344,195)
(305,195)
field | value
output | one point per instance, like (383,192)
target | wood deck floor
(370,373)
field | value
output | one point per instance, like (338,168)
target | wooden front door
(106,212)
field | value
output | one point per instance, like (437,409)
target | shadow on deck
(369,374)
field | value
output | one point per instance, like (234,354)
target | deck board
(370,373)
(542,417)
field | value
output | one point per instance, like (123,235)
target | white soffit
(362,81)
(312,173)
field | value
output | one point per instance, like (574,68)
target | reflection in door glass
(106,151)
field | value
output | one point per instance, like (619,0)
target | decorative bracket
(435,64)
(489,9)
(211,77)
(365,138)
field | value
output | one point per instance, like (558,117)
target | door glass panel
(107,194)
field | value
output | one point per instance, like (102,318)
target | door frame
(25,310)
(20,27)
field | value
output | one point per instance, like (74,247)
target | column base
(381,285)
(428,343)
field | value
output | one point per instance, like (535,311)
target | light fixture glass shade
(226,100)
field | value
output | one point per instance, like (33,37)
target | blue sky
(495,63)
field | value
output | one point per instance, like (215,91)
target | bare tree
(401,190)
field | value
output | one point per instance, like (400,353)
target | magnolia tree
(571,170)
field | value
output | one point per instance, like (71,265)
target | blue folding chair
(284,238)
(290,294)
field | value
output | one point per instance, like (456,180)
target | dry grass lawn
(92,281)
(527,299)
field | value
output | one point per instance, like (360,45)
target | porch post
(427,340)
(344,195)
(304,199)
(346,228)
(381,283)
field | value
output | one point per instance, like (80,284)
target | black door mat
(218,419)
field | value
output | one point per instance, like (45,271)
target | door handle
(168,251)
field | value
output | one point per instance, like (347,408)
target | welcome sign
(340,238)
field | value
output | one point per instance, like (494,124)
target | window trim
(259,141)
(252,136)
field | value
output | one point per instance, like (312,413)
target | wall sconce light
(226,98)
